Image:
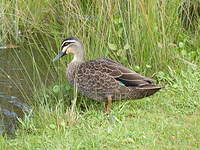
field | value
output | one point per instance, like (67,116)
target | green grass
(167,120)
(146,36)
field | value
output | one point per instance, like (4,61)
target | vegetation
(146,36)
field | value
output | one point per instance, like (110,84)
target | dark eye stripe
(66,43)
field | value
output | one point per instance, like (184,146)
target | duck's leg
(108,104)
(111,117)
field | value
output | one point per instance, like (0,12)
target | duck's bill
(60,54)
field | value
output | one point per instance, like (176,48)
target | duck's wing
(121,73)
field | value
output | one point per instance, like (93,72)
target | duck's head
(73,46)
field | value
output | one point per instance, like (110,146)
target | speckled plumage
(101,77)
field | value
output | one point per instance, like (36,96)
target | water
(18,82)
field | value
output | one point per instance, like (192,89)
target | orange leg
(108,104)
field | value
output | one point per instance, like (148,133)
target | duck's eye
(66,44)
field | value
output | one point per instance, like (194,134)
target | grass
(168,120)
(146,36)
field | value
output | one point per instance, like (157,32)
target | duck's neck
(79,58)
(73,67)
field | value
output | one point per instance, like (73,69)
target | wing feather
(118,72)
(125,75)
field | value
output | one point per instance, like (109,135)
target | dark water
(18,81)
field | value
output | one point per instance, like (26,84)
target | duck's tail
(145,91)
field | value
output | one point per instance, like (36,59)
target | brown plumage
(102,79)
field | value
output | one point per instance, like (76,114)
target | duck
(103,79)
